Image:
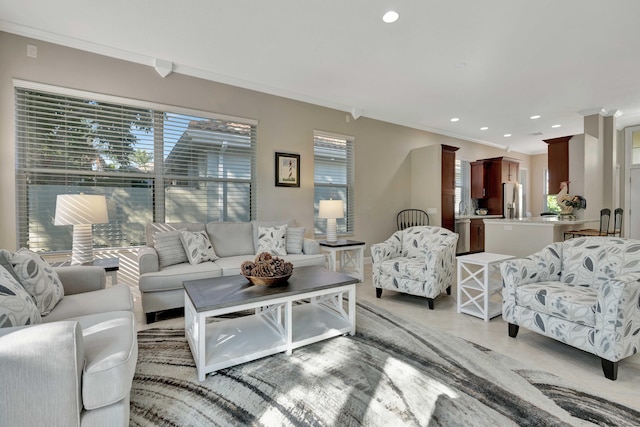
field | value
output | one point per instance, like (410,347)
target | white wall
(382,159)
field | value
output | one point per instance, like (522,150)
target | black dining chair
(617,223)
(605,216)
(411,218)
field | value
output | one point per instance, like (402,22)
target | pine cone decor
(267,270)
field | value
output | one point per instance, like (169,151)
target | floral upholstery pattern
(584,292)
(417,260)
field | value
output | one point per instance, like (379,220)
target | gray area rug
(391,373)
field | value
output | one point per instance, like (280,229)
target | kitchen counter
(523,237)
(477,216)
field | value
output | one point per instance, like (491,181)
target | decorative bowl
(268,281)
(482,211)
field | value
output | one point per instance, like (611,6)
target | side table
(110,265)
(351,256)
(477,287)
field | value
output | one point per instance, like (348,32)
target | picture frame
(287,170)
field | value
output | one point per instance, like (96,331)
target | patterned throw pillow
(170,249)
(273,240)
(295,238)
(197,246)
(17,307)
(37,277)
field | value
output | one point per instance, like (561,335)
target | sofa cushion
(171,278)
(563,300)
(257,224)
(169,248)
(17,307)
(113,298)
(161,227)
(295,239)
(231,238)
(231,265)
(36,276)
(272,240)
(197,246)
(111,353)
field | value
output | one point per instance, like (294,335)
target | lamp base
(332,230)
(82,251)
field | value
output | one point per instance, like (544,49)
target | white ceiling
(490,63)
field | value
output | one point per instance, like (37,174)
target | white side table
(477,284)
(351,256)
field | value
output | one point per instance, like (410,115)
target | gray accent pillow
(272,240)
(257,224)
(231,238)
(37,277)
(169,248)
(295,238)
(17,307)
(197,246)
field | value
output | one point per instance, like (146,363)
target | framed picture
(287,170)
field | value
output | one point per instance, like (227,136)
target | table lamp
(331,210)
(81,211)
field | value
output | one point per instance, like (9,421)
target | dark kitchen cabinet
(476,236)
(448,184)
(479,179)
(557,162)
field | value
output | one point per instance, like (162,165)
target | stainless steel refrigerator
(512,200)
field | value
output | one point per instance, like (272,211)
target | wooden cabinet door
(448,183)
(557,162)
(476,235)
(478,180)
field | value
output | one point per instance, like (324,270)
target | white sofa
(584,292)
(233,242)
(76,367)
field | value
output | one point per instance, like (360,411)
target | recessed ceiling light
(391,16)
(484,128)
(556,126)
(535,117)
(455,119)
(507,135)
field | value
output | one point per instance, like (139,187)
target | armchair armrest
(618,317)
(390,248)
(310,246)
(441,260)
(43,364)
(81,278)
(148,260)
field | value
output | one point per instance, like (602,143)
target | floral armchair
(584,292)
(417,260)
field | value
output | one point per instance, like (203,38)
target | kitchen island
(523,237)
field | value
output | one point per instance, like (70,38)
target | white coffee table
(277,325)
(479,282)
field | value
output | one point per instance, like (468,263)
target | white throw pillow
(170,249)
(197,246)
(295,239)
(273,240)
(17,307)
(37,277)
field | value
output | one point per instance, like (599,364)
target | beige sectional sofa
(73,366)
(164,265)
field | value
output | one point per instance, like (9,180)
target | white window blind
(463,187)
(151,163)
(333,178)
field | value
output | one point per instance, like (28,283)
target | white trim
(59,90)
(628,141)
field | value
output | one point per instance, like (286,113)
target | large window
(464,204)
(152,163)
(333,178)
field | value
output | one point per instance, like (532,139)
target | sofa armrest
(617,331)
(81,278)
(148,260)
(390,248)
(310,247)
(42,365)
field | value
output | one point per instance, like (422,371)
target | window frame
(156,181)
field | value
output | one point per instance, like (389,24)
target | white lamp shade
(75,209)
(331,209)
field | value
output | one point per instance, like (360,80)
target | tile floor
(533,350)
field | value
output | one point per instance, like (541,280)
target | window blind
(152,164)
(333,178)
(463,187)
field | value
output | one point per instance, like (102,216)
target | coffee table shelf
(317,304)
